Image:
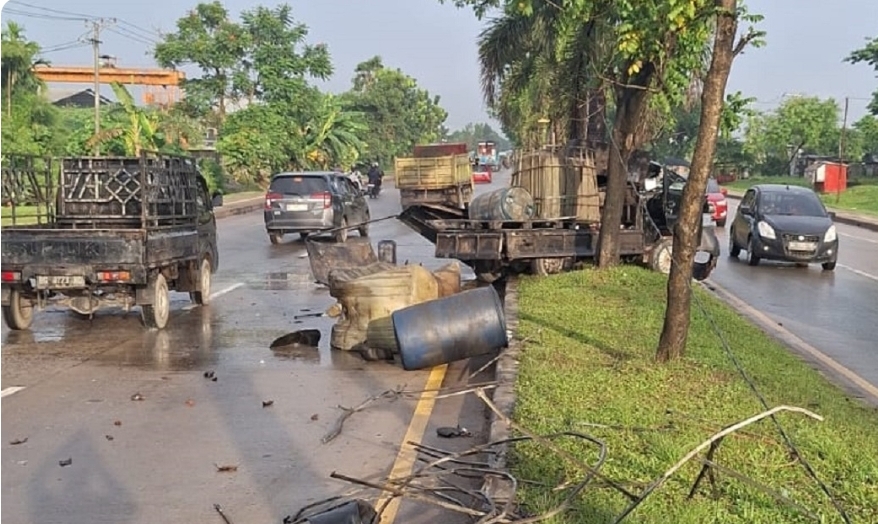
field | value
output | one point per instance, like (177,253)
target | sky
(435,43)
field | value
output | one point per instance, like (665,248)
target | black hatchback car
(787,223)
(311,202)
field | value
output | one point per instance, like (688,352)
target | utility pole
(95,40)
(844,128)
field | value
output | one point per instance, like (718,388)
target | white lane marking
(861,239)
(216,295)
(858,272)
(229,289)
(10,390)
(769,324)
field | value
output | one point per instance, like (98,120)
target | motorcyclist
(375,175)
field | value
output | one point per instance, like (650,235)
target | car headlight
(765,230)
(830,235)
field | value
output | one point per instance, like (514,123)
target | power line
(43,16)
(48,13)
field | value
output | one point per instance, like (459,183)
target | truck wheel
(547,266)
(661,256)
(341,235)
(202,296)
(19,314)
(364,229)
(156,315)
(275,238)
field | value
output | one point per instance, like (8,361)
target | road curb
(240,207)
(847,381)
(840,217)
(505,374)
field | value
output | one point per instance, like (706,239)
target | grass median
(588,360)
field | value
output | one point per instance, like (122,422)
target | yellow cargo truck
(435,174)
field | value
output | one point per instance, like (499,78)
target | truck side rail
(433,172)
(29,186)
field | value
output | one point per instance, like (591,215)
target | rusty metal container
(508,203)
(453,328)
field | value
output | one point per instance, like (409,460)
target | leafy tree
(138,129)
(672,342)
(262,58)
(209,39)
(869,55)
(865,139)
(800,124)
(27,117)
(473,133)
(398,113)
(628,50)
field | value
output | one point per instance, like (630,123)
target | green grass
(24,216)
(862,198)
(588,358)
(243,195)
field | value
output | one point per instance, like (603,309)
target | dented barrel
(508,203)
(461,326)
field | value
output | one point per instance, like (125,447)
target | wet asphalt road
(836,312)
(155,460)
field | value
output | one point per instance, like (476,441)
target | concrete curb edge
(505,374)
(240,207)
(840,216)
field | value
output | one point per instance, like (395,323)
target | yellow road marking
(405,459)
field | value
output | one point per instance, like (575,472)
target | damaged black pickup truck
(89,233)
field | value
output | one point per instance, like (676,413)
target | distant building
(76,98)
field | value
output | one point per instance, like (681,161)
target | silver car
(311,202)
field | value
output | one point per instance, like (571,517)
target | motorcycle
(373,190)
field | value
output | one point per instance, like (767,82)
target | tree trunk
(630,108)
(672,343)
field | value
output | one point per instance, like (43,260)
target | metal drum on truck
(508,203)
(453,328)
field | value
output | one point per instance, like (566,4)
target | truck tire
(156,315)
(202,295)
(548,266)
(341,235)
(662,255)
(19,314)
(275,238)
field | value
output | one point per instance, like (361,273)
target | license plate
(297,207)
(802,246)
(58,282)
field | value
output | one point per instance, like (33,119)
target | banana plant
(139,129)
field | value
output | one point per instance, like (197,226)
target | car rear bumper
(277,223)
(777,249)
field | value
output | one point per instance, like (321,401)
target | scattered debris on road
(302,337)
(219,509)
(64,463)
(226,469)
(190,403)
(350,512)
(267,403)
(315,416)
(18,441)
(391,394)
(117,423)
(208,374)
(449,432)
(108,437)
(137,396)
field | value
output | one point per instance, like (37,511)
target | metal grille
(152,190)
(801,238)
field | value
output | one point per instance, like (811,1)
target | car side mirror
(832,215)
(724,191)
(217,199)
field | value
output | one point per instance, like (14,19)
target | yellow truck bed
(432,173)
